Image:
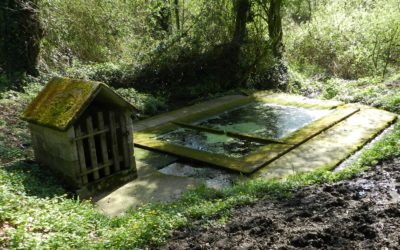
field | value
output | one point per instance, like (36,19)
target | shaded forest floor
(361,213)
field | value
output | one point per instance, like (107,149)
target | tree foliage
(190,42)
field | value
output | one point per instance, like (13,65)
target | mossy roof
(63,100)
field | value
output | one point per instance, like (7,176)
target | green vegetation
(147,104)
(371,91)
(158,55)
(347,39)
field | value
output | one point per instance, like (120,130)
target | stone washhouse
(83,132)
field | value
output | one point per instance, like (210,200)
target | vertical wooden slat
(92,147)
(114,142)
(81,154)
(129,127)
(103,143)
(124,139)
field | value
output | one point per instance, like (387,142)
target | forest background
(162,54)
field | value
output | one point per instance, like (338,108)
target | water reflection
(260,119)
(209,142)
(264,120)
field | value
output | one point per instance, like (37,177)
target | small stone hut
(82,130)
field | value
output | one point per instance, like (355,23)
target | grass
(35,212)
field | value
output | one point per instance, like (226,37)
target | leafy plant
(146,103)
(346,39)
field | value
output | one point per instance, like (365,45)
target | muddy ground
(363,213)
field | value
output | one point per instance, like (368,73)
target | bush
(347,39)
(128,32)
(94,31)
(146,103)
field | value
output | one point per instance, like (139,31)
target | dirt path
(363,213)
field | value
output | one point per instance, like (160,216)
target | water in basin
(209,142)
(264,120)
(259,119)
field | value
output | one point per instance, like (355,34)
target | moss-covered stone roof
(63,100)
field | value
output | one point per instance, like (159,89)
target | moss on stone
(60,102)
(216,110)
(327,150)
(295,100)
(321,125)
(259,158)
(146,141)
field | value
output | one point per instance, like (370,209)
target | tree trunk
(232,52)
(176,7)
(242,9)
(183,14)
(3,26)
(275,28)
(278,74)
(20,35)
(164,19)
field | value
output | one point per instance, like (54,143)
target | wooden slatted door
(104,144)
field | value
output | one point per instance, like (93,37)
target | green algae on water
(264,120)
(209,142)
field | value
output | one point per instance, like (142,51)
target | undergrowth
(374,91)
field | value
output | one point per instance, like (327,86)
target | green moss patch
(295,100)
(60,102)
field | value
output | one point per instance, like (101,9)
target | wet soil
(362,213)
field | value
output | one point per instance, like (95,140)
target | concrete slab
(331,147)
(155,159)
(150,186)
(183,112)
(295,100)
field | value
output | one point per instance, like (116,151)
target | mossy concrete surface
(200,109)
(150,186)
(149,129)
(254,160)
(59,102)
(331,147)
(154,159)
(269,153)
(295,100)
